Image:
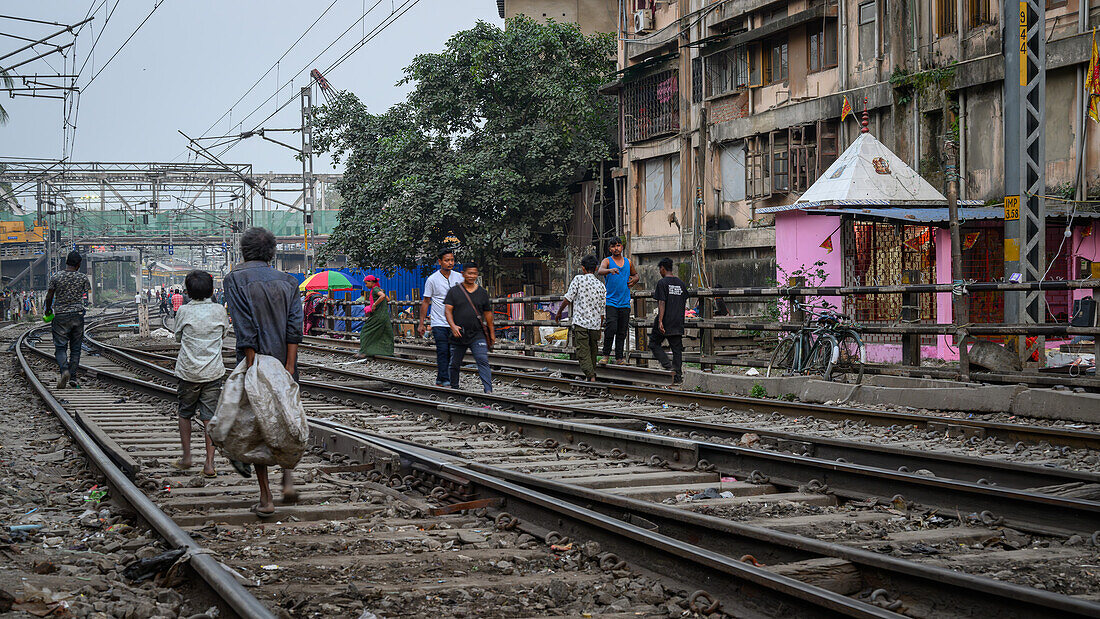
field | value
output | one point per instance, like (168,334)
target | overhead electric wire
(305,68)
(96,42)
(275,64)
(394,15)
(101,69)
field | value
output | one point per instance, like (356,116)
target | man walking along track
(435,290)
(65,300)
(586,294)
(267,320)
(671,296)
(620,275)
(470,317)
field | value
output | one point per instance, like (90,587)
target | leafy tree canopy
(481,154)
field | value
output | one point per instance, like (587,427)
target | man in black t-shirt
(470,317)
(671,297)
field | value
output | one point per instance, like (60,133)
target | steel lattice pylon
(1025,156)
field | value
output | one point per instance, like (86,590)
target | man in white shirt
(435,290)
(586,294)
(201,326)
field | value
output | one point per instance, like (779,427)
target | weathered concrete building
(591,15)
(732,106)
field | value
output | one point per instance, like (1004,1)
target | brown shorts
(198,397)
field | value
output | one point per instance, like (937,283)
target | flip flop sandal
(244,468)
(255,509)
(178,465)
(209,475)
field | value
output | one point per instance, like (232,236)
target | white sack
(260,418)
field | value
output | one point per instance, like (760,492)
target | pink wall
(798,239)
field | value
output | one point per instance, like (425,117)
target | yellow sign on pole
(1023,44)
(1012,208)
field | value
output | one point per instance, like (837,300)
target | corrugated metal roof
(867,204)
(933,215)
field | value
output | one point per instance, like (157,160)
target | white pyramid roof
(869,173)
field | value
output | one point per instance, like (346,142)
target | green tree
(482,153)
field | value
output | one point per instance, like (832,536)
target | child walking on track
(200,327)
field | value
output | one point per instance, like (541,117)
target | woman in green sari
(376,337)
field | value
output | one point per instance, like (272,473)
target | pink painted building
(872,220)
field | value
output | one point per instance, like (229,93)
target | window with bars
(727,71)
(979,12)
(789,159)
(758,177)
(823,45)
(945,17)
(697,79)
(781,171)
(876,254)
(775,66)
(650,106)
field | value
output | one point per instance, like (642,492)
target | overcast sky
(194,58)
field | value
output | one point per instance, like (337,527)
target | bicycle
(833,348)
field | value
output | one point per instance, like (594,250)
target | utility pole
(1025,162)
(960,300)
(308,199)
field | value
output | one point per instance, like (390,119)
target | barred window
(727,71)
(945,17)
(651,106)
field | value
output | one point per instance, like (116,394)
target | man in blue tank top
(620,276)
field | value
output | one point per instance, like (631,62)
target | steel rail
(741,588)
(220,581)
(1030,511)
(934,590)
(1008,432)
(982,470)
(940,591)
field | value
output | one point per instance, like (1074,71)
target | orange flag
(827,245)
(846,109)
(1092,82)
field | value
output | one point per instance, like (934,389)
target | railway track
(483,440)
(352,540)
(636,389)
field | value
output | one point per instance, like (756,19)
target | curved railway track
(479,452)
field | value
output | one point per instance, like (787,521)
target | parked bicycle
(827,344)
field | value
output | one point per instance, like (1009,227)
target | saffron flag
(970,239)
(846,109)
(827,245)
(1092,82)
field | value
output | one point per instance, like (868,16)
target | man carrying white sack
(267,321)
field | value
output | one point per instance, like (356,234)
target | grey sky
(194,58)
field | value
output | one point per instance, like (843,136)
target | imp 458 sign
(1012,208)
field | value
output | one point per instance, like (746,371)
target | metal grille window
(978,13)
(697,79)
(876,254)
(758,178)
(781,175)
(650,106)
(727,71)
(776,67)
(983,261)
(823,45)
(945,17)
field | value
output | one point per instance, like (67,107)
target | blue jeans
(442,337)
(68,334)
(480,349)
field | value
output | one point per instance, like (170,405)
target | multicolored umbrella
(326,280)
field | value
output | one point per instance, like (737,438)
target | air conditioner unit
(643,21)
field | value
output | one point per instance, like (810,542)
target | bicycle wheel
(782,360)
(823,356)
(852,356)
